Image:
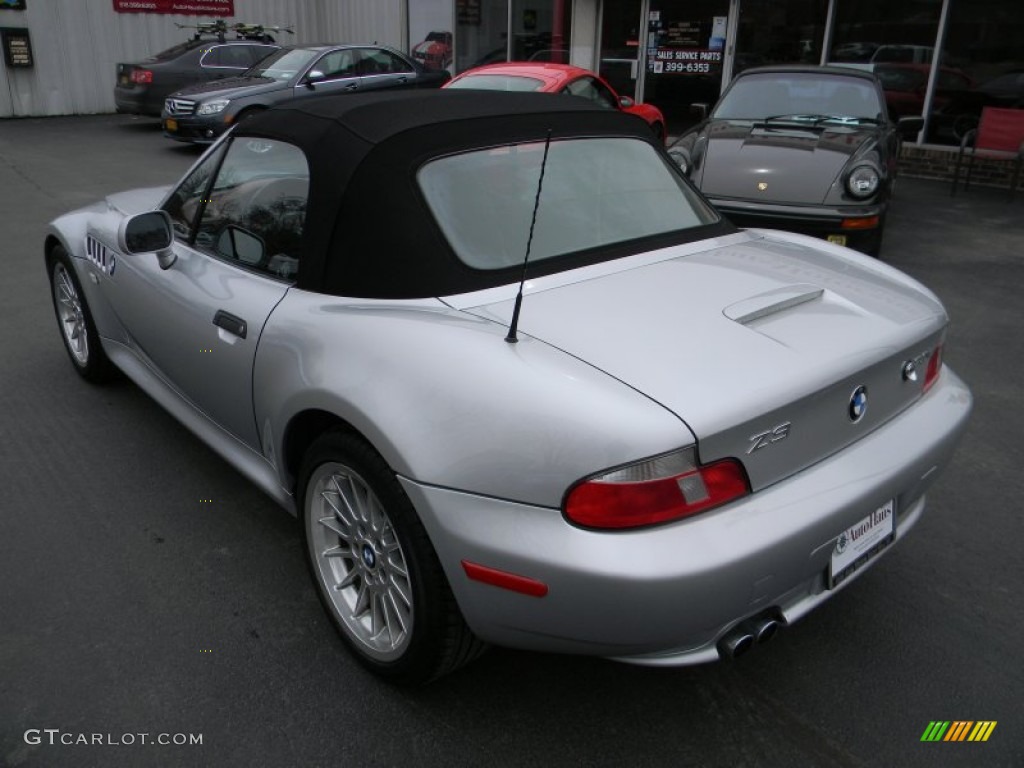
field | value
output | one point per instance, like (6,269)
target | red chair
(999,136)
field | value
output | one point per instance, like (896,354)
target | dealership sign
(193,7)
(685,62)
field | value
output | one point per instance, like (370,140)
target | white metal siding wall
(77,43)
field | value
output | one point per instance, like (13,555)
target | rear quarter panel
(447,401)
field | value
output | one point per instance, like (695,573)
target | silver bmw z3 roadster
(519,381)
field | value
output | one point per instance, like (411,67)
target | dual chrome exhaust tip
(743,637)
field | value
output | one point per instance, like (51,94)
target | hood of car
(726,337)
(231,87)
(134,201)
(779,162)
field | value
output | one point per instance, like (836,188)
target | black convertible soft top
(369,232)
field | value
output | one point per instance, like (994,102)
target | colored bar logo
(958,730)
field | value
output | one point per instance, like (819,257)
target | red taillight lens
(655,491)
(934,366)
(142,76)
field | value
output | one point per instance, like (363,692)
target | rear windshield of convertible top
(596,192)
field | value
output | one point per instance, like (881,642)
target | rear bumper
(667,595)
(826,223)
(140,101)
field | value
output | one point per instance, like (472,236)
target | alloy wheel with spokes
(70,314)
(77,329)
(360,561)
(376,570)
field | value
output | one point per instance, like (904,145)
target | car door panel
(173,320)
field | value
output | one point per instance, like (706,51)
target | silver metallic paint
(674,590)
(486,436)
(446,401)
(728,380)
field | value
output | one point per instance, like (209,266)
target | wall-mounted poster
(190,7)
(430,33)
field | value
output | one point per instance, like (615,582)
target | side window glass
(210,57)
(258,52)
(257,207)
(604,95)
(374,61)
(588,88)
(398,64)
(185,201)
(338,64)
(235,56)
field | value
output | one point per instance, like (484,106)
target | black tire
(77,329)
(379,565)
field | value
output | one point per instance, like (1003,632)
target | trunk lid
(741,339)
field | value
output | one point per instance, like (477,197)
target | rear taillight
(934,366)
(142,76)
(657,490)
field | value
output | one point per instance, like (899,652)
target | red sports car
(556,78)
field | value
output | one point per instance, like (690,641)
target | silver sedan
(521,383)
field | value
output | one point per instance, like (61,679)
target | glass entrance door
(620,51)
(685,56)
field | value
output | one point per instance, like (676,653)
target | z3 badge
(764,439)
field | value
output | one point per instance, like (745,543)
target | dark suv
(142,88)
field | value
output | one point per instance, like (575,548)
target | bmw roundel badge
(858,403)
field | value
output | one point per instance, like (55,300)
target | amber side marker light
(863,223)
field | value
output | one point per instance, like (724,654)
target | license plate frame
(836,239)
(170,124)
(861,543)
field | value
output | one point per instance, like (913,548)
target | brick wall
(940,162)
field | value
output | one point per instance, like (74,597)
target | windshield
(283,64)
(596,192)
(496,83)
(810,96)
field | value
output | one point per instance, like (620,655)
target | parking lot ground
(147,588)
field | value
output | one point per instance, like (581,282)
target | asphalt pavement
(147,588)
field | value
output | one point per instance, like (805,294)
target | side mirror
(699,110)
(909,127)
(148,232)
(314,76)
(625,102)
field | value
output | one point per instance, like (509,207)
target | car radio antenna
(511,337)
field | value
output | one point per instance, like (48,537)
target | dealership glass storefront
(674,53)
